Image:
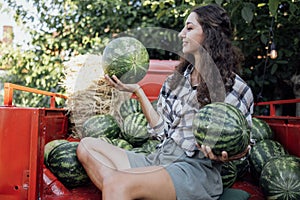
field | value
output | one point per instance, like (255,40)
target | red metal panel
(19,128)
(285,128)
(24,132)
(156,75)
(287,132)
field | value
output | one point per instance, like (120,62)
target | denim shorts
(193,177)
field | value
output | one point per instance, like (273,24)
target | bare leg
(139,183)
(109,169)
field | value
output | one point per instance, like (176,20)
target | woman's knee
(83,149)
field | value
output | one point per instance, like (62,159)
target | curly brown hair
(217,45)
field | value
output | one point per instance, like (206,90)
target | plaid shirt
(178,107)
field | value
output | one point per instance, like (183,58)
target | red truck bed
(25,131)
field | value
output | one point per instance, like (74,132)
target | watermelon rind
(64,164)
(135,129)
(122,143)
(130,106)
(262,152)
(261,130)
(223,127)
(101,125)
(150,146)
(229,174)
(50,146)
(280,178)
(127,58)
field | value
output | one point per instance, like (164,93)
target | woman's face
(192,35)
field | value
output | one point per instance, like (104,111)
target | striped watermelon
(150,146)
(262,152)
(243,166)
(135,129)
(223,127)
(101,125)
(127,58)
(261,130)
(51,145)
(280,178)
(130,106)
(229,174)
(106,139)
(122,143)
(64,164)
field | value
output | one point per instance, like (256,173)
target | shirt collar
(188,70)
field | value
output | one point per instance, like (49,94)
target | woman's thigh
(105,153)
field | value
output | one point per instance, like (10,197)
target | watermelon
(280,178)
(64,164)
(223,127)
(262,152)
(101,125)
(229,174)
(150,146)
(106,139)
(242,166)
(51,145)
(122,143)
(261,130)
(135,129)
(127,58)
(130,106)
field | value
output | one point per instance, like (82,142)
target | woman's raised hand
(116,83)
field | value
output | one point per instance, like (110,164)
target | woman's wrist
(136,89)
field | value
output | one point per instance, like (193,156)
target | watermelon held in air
(223,127)
(262,152)
(127,58)
(135,129)
(130,106)
(64,164)
(101,125)
(280,178)
(261,130)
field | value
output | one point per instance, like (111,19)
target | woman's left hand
(206,150)
(116,83)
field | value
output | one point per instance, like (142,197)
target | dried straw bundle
(88,93)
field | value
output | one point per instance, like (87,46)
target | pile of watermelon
(131,135)
(60,155)
(278,172)
(223,127)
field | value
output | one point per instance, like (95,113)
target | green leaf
(247,14)
(273,6)
(219,2)
(274,69)
(263,39)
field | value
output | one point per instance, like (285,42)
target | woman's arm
(151,115)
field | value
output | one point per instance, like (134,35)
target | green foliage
(62,29)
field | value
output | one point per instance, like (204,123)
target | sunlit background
(7,19)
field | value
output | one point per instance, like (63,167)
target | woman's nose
(181,34)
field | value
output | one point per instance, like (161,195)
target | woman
(179,169)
